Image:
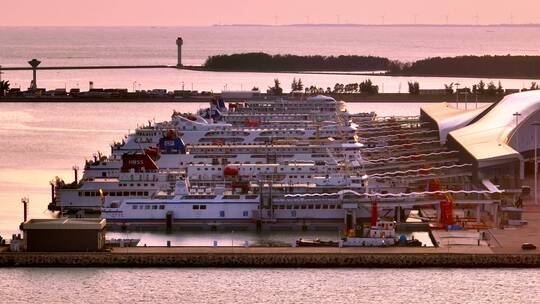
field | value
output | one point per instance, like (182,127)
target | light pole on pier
(457,94)
(535,125)
(517,115)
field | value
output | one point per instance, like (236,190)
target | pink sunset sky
(209,12)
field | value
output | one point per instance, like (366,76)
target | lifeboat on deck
(153,152)
(231,171)
(218,142)
(252,122)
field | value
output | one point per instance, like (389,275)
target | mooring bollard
(168,243)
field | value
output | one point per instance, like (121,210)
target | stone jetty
(259,257)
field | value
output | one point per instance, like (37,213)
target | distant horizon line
(292,25)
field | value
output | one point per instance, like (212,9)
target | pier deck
(462,256)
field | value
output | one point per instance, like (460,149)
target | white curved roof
(321,98)
(487,139)
(449,118)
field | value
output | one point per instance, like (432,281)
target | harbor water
(153,285)
(156,46)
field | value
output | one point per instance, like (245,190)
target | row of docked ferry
(271,160)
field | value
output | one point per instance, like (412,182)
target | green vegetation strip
(474,66)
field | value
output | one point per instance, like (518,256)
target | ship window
(195,207)
(317,206)
(303,206)
(112,193)
(289,206)
(145,193)
(154,207)
(138,185)
(80,193)
(134,207)
(126,193)
(332,207)
(203,207)
(161,207)
(103,174)
(310,207)
(152,185)
(119,193)
(147,207)
(245,213)
(293,213)
(133,193)
(145,185)
(139,193)
(296,207)
(338,206)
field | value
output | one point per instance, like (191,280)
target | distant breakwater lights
(34,63)
(179,43)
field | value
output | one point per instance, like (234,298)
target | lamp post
(232,240)
(517,115)
(535,125)
(457,94)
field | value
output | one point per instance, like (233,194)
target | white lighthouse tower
(179,43)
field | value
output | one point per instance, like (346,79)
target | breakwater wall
(406,260)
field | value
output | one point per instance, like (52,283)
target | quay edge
(262,259)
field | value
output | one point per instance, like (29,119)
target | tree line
(297,86)
(477,66)
(265,62)
(485,66)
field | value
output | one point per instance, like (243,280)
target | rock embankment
(266,260)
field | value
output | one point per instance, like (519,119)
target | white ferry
(220,205)
(278,109)
(138,177)
(174,155)
(199,132)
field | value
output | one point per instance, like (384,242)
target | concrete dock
(276,257)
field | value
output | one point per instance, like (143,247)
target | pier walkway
(462,256)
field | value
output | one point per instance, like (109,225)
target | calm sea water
(156,45)
(88,285)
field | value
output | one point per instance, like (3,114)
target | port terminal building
(64,234)
(498,139)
